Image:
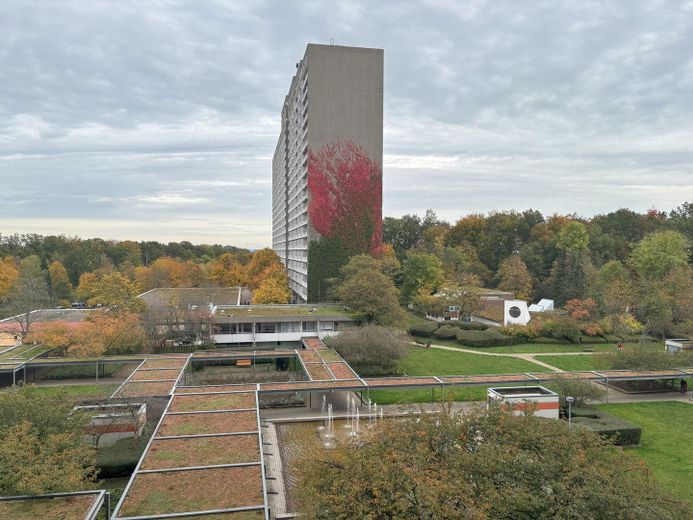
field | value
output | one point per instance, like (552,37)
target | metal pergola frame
(155,437)
(101,497)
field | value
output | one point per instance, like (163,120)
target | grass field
(570,363)
(422,362)
(427,395)
(666,441)
(434,362)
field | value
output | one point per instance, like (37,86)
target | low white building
(541,401)
(678,345)
(113,422)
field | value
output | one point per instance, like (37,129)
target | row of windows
(271,327)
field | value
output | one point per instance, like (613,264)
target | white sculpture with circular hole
(515,312)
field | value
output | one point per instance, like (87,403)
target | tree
(368,292)
(262,262)
(658,254)
(8,275)
(614,288)
(107,332)
(29,293)
(514,276)
(273,286)
(461,260)
(582,310)
(61,288)
(573,237)
(464,298)
(57,335)
(41,447)
(370,349)
(86,286)
(117,293)
(346,202)
(481,465)
(420,271)
(227,271)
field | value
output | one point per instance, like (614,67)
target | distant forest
(81,256)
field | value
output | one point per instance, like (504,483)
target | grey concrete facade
(336,94)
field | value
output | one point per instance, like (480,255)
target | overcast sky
(158,119)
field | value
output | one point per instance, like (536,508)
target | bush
(485,338)
(470,325)
(423,330)
(582,391)
(620,431)
(524,333)
(446,332)
(370,349)
(561,327)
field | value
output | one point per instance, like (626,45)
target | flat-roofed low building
(195,297)
(537,400)
(678,344)
(272,326)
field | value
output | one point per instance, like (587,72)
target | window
(266,328)
(224,328)
(244,328)
(292,326)
(327,325)
(310,326)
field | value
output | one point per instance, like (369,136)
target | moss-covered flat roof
(200,297)
(281,311)
(65,507)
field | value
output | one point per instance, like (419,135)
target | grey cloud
(131,119)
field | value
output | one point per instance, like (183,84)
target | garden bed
(329,355)
(342,371)
(210,389)
(202,451)
(144,375)
(164,363)
(318,372)
(140,389)
(221,422)
(207,402)
(309,356)
(194,490)
(58,508)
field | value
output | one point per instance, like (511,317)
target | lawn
(427,395)
(423,362)
(666,441)
(570,363)
(435,362)
(522,348)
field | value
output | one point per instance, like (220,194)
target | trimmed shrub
(620,431)
(423,330)
(446,332)
(470,325)
(485,338)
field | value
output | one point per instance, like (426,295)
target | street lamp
(570,400)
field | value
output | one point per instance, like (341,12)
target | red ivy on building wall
(346,196)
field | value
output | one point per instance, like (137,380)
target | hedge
(620,431)
(470,325)
(485,338)
(423,330)
(446,332)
